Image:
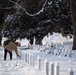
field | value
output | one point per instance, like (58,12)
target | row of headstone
(61,50)
(64,50)
(39,48)
(58,50)
(49,68)
(29,59)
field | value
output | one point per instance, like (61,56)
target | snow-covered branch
(6,7)
(42,9)
(44,21)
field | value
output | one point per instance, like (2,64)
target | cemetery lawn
(18,66)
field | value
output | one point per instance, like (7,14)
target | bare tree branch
(42,9)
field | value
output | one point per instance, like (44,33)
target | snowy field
(57,53)
(20,67)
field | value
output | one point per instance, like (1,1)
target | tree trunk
(73,16)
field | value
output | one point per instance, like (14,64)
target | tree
(73,16)
(35,18)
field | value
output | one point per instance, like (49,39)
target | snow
(23,42)
(9,18)
(49,3)
(3,39)
(55,38)
(18,66)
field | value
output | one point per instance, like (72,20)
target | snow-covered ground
(18,66)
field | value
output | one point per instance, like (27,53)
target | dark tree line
(55,17)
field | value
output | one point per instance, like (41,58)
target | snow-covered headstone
(38,63)
(70,71)
(46,67)
(25,57)
(29,59)
(56,68)
(51,68)
(34,42)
